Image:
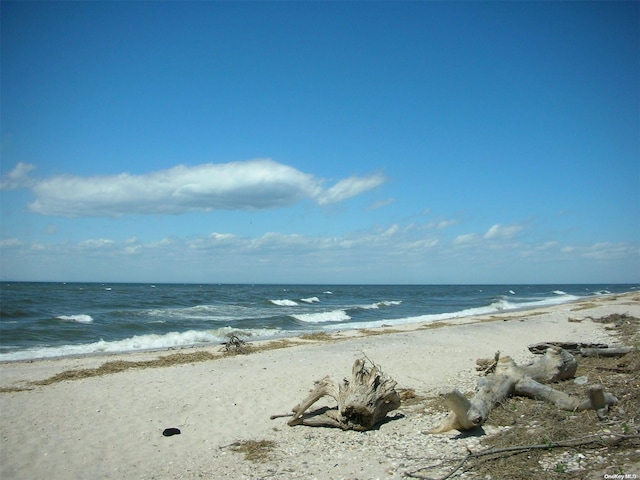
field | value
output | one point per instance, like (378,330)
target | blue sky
(329,142)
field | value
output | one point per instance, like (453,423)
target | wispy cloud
(382,203)
(385,250)
(466,239)
(350,187)
(18,177)
(502,231)
(258,184)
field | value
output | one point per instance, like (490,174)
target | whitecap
(310,300)
(82,318)
(323,317)
(284,303)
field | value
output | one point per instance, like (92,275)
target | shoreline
(338,333)
(110,425)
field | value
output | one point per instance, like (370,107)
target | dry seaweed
(117,366)
(254,450)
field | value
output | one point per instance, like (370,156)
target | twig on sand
(236,345)
(611,439)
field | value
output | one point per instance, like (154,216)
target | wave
(138,343)
(82,318)
(323,317)
(310,300)
(497,306)
(219,313)
(385,303)
(284,303)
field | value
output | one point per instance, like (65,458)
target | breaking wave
(82,318)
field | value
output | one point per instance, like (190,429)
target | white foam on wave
(82,318)
(310,300)
(323,317)
(386,303)
(500,305)
(559,292)
(284,303)
(138,343)
(225,313)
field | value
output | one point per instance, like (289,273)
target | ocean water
(41,320)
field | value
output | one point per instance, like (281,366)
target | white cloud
(382,203)
(392,230)
(97,243)
(611,251)
(368,255)
(465,239)
(446,223)
(17,178)
(250,185)
(11,242)
(421,244)
(502,231)
(350,187)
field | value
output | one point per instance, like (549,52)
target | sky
(320,142)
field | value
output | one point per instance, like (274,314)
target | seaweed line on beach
(235,346)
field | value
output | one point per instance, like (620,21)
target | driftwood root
(363,402)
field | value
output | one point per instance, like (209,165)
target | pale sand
(111,426)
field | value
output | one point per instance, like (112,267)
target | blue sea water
(41,320)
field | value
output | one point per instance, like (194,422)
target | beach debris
(583,380)
(584,349)
(236,346)
(605,352)
(573,347)
(168,432)
(496,453)
(527,380)
(253,450)
(363,401)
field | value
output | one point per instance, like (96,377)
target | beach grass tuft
(254,450)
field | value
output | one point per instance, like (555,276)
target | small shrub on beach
(254,450)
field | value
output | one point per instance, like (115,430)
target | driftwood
(236,345)
(572,347)
(363,401)
(605,352)
(584,349)
(527,380)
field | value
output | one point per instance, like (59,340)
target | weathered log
(556,364)
(363,402)
(572,347)
(605,352)
(511,379)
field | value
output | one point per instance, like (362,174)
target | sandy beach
(110,426)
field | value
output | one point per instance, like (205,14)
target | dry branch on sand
(363,401)
(236,346)
(528,380)
(600,440)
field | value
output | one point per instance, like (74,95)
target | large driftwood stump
(363,401)
(527,380)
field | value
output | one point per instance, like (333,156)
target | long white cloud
(250,185)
